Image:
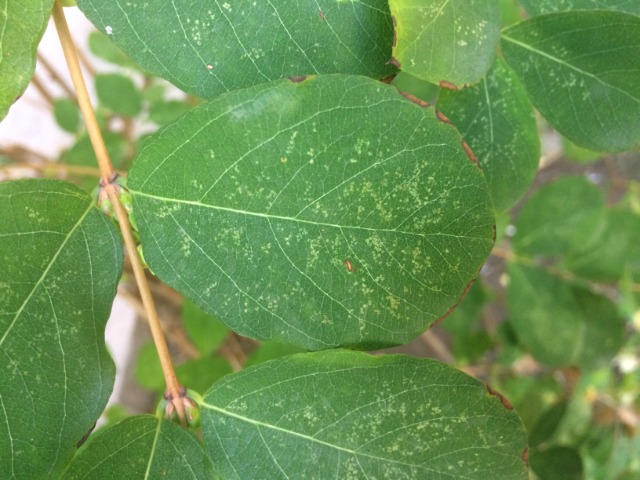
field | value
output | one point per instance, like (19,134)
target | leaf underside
(322,213)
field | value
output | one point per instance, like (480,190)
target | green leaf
(81,153)
(301,213)
(102,47)
(119,93)
(447,42)
(557,463)
(207,48)
(67,114)
(538,7)
(496,118)
(579,154)
(510,12)
(617,251)
(270,350)
(205,331)
(469,340)
(22,23)
(560,322)
(581,70)
(142,447)
(197,374)
(415,86)
(342,414)
(61,262)
(547,424)
(166,112)
(564,216)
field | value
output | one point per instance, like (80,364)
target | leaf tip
(505,403)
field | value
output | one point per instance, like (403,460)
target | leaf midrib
(258,423)
(294,219)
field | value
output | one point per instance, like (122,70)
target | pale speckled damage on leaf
(352,415)
(253,215)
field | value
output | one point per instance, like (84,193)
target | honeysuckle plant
(313,200)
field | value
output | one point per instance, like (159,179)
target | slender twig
(35,81)
(55,76)
(71,55)
(175,392)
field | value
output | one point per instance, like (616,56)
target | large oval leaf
(142,447)
(561,322)
(448,42)
(342,414)
(207,48)
(496,118)
(61,261)
(581,70)
(22,23)
(538,7)
(322,213)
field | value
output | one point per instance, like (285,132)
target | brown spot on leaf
(442,117)
(468,151)
(525,456)
(449,85)
(85,437)
(395,62)
(505,403)
(322,16)
(414,99)
(298,79)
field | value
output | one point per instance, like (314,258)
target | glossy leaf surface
(450,41)
(142,447)
(562,323)
(61,261)
(342,414)
(581,71)
(322,213)
(22,23)
(496,118)
(208,48)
